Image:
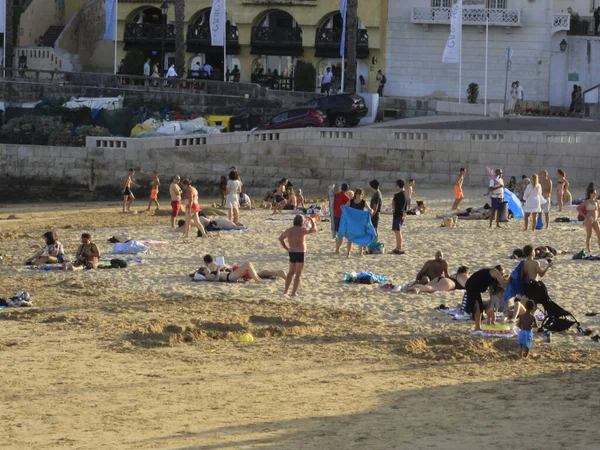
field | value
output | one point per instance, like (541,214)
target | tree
(351,39)
(180,37)
(10,33)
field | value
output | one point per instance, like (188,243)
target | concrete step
(51,35)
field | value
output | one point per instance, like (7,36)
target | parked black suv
(343,110)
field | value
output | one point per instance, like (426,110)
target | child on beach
(410,192)
(526,322)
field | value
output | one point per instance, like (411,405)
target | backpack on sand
(375,248)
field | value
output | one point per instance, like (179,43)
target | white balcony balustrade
(471,16)
(561,22)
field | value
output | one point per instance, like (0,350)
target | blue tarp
(515,285)
(514,204)
(356,226)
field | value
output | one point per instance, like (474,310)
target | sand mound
(450,348)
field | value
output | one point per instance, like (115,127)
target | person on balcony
(196,71)
(326,81)
(171,73)
(208,70)
(596,20)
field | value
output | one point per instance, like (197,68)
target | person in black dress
(478,283)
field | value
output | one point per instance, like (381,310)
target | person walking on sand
(526,323)
(533,202)
(175,193)
(339,200)
(296,247)
(154,184)
(128,197)
(458,188)
(546,184)
(496,191)
(591,206)
(376,202)
(191,210)
(400,205)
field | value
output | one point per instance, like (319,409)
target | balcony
(561,22)
(327,43)
(148,35)
(471,16)
(199,40)
(283,41)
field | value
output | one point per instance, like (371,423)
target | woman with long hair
(591,206)
(232,196)
(51,253)
(358,202)
(562,191)
(533,202)
(192,209)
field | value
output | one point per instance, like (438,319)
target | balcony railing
(277,41)
(148,33)
(561,22)
(327,42)
(199,39)
(471,16)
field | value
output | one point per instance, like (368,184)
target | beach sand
(145,358)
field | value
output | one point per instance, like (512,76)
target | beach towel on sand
(515,285)
(129,247)
(356,226)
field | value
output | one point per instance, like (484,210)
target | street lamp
(164,8)
(563,46)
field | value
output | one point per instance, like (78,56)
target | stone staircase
(51,35)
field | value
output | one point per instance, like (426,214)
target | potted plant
(473,93)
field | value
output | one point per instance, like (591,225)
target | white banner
(217,23)
(452,50)
(2,16)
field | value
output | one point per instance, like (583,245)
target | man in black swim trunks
(128,196)
(296,246)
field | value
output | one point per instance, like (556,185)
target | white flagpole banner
(217,23)
(110,8)
(2,16)
(343,10)
(452,50)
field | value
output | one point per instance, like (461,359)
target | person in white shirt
(519,100)
(326,81)
(171,73)
(196,70)
(496,191)
(208,70)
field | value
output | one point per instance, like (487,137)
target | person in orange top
(154,184)
(458,191)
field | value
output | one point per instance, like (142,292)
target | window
(442,3)
(280,117)
(296,113)
(496,4)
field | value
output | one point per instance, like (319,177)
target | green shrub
(305,77)
(134,63)
(473,93)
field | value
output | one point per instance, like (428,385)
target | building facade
(262,36)
(417,34)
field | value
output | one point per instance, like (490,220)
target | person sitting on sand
(280,200)
(444,284)
(417,210)
(291,199)
(87,255)
(432,270)
(245,202)
(51,253)
(212,265)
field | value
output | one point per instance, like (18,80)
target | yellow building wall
(41,14)
(246,13)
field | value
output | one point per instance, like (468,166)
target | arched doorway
(144,31)
(277,38)
(199,42)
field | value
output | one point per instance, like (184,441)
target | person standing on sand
(296,246)
(496,191)
(562,191)
(191,210)
(533,202)
(128,197)
(546,184)
(526,323)
(591,206)
(340,199)
(458,189)
(400,205)
(175,193)
(232,196)
(410,192)
(357,202)
(154,184)
(376,202)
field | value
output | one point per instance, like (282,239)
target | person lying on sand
(246,270)
(444,284)
(482,213)
(213,266)
(51,253)
(87,255)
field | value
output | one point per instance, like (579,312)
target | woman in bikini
(591,206)
(444,284)
(243,271)
(51,253)
(87,255)
(562,192)
(192,209)
(358,202)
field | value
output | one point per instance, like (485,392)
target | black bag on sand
(118,263)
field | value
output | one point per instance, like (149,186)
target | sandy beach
(145,358)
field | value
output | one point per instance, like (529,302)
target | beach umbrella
(514,204)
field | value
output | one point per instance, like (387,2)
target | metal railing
(277,35)
(471,16)
(143,32)
(333,36)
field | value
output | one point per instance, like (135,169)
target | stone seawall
(311,158)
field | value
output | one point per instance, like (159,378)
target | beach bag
(504,212)
(118,263)
(540,224)
(366,280)
(375,248)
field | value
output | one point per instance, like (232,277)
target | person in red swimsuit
(190,198)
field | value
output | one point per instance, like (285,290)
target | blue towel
(356,226)
(515,285)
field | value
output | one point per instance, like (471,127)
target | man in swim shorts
(296,246)
(433,270)
(128,196)
(496,191)
(458,188)
(154,184)
(175,193)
